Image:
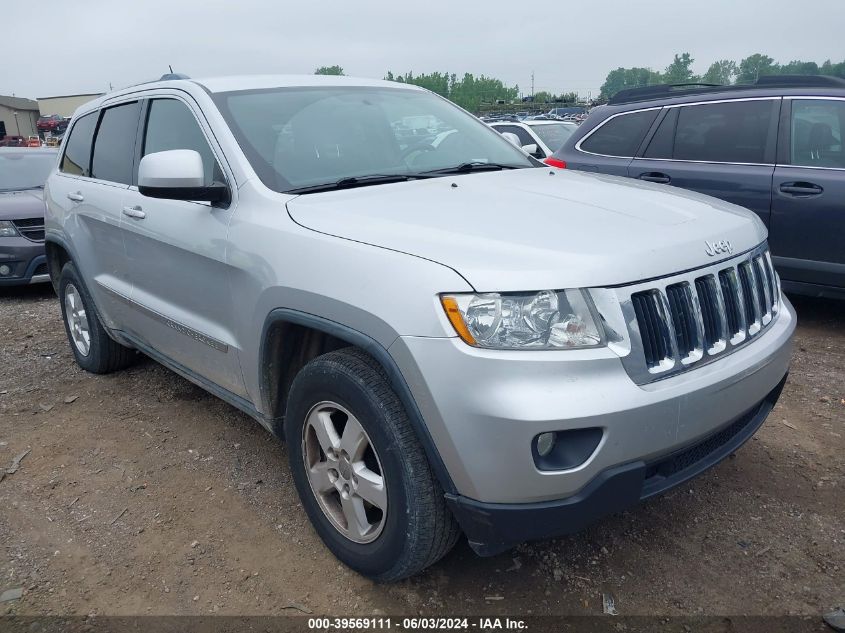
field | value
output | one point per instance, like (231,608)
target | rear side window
(732,132)
(77,158)
(171,125)
(817,127)
(114,145)
(621,135)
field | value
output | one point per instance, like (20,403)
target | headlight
(536,320)
(7,229)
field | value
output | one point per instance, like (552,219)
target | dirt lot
(141,494)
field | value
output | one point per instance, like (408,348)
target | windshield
(19,170)
(554,135)
(301,137)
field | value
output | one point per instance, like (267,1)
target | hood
(16,205)
(531,229)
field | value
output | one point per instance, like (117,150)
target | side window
(620,136)
(524,137)
(77,158)
(662,143)
(732,132)
(114,145)
(171,125)
(816,133)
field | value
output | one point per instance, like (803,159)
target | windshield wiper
(474,165)
(357,181)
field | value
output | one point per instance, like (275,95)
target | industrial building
(64,105)
(18,116)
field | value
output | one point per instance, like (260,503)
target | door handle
(134,212)
(76,197)
(655,176)
(800,189)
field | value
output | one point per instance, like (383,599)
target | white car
(540,139)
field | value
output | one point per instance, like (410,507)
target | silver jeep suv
(452,337)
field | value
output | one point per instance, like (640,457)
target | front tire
(360,471)
(92,347)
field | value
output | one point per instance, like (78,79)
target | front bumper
(26,259)
(492,528)
(483,408)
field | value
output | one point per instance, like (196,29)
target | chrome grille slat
(687,320)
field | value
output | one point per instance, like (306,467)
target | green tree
(836,70)
(755,66)
(720,72)
(797,67)
(329,70)
(623,78)
(680,70)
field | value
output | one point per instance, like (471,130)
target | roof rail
(644,93)
(801,81)
(662,91)
(171,76)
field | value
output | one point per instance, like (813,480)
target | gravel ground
(142,494)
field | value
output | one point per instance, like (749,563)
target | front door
(176,255)
(807,231)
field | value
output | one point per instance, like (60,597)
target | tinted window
(171,125)
(724,132)
(77,158)
(663,142)
(620,136)
(114,147)
(817,128)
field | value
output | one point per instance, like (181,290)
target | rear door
(724,149)
(176,252)
(94,172)
(610,147)
(807,232)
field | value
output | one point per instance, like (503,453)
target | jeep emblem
(722,246)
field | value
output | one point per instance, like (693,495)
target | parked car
(775,147)
(22,176)
(567,111)
(33,141)
(12,141)
(540,139)
(456,339)
(55,124)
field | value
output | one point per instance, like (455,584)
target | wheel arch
(291,338)
(58,254)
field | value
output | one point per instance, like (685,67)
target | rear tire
(348,389)
(92,347)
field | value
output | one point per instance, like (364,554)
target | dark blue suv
(775,147)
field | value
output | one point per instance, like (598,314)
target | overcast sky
(55,47)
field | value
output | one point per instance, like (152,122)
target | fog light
(5,270)
(545,443)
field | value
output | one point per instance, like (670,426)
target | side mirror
(531,149)
(513,138)
(178,174)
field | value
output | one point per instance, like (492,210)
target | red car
(54,124)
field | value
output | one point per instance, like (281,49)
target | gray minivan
(775,147)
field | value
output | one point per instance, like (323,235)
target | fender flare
(380,354)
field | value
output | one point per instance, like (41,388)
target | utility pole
(532,84)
